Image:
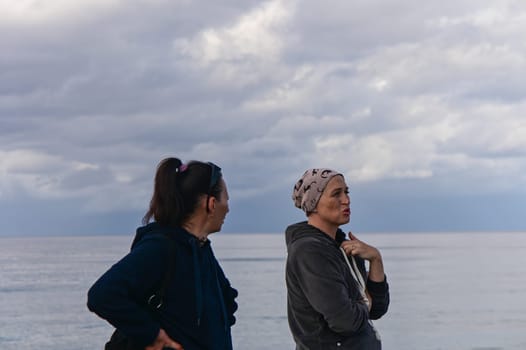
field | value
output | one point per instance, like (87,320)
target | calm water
(448,291)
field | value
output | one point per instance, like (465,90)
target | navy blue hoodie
(199,305)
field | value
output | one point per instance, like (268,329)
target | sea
(450,291)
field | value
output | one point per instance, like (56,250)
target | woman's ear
(211,204)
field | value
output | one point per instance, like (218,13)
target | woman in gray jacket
(331,297)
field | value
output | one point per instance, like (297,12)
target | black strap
(155,301)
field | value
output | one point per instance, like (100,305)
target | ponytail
(177,190)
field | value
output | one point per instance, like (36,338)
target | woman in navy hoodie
(189,202)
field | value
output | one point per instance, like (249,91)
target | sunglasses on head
(215,175)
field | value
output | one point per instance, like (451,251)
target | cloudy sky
(422,105)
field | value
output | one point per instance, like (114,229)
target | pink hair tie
(182,168)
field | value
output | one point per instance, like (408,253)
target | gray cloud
(92,96)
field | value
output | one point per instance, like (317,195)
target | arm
(377,287)
(319,275)
(376,268)
(118,294)
(379,293)
(229,295)
(355,247)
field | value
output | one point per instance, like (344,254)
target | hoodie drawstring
(356,274)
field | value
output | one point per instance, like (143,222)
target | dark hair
(178,188)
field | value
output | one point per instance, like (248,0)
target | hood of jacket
(142,231)
(303,229)
(182,237)
(177,233)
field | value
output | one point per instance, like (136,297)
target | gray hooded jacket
(324,308)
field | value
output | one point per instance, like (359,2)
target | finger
(351,236)
(347,246)
(349,249)
(176,346)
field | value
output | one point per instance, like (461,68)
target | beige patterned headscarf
(309,188)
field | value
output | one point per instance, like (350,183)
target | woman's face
(334,205)
(220,210)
